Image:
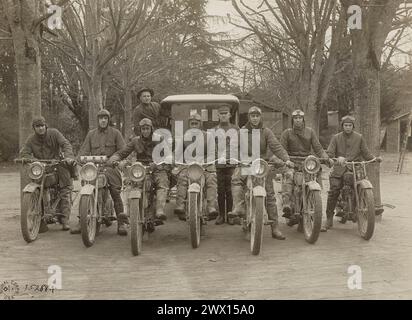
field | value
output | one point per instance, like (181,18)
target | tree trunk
(367,114)
(367,46)
(127,113)
(20,16)
(95,98)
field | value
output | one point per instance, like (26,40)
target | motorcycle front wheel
(366,213)
(88,223)
(194,219)
(312,218)
(136,226)
(30,217)
(256,225)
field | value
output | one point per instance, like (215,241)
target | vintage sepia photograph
(218,152)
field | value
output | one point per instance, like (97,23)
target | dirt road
(222,268)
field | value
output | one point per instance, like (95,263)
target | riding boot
(211,198)
(121,224)
(276,233)
(43,227)
(238,194)
(330,211)
(161,196)
(76,229)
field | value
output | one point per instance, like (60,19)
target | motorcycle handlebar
(50,161)
(357,162)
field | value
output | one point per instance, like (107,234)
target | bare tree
(94,33)
(378,19)
(295,51)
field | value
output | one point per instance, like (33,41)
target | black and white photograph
(218,152)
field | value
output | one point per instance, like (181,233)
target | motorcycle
(95,205)
(357,202)
(255,200)
(41,198)
(306,194)
(140,197)
(196,212)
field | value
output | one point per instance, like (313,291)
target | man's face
(224,116)
(145,97)
(347,127)
(103,122)
(255,119)
(40,129)
(194,124)
(146,131)
(298,120)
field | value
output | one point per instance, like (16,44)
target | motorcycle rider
(268,141)
(104,141)
(143,146)
(298,141)
(347,145)
(195,122)
(47,144)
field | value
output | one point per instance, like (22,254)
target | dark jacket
(100,142)
(229,146)
(150,111)
(352,147)
(143,147)
(268,142)
(301,142)
(47,147)
(53,145)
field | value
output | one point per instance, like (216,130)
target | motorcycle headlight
(312,164)
(137,172)
(195,171)
(88,172)
(260,168)
(36,170)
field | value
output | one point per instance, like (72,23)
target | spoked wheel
(194,219)
(312,218)
(88,220)
(366,213)
(136,226)
(30,217)
(256,225)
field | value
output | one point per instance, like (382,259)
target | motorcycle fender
(364,184)
(259,191)
(31,187)
(313,185)
(87,189)
(194,187)
(134,194)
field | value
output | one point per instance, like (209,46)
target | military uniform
(105,142)
(298,142)
(149,111)
(225,171)
(268,142)
(143,147)
(50,146)
(353,148)
(210,179)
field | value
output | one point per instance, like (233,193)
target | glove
(341,161)
(290,164)
(378,159)
(69,161)
(121,165)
